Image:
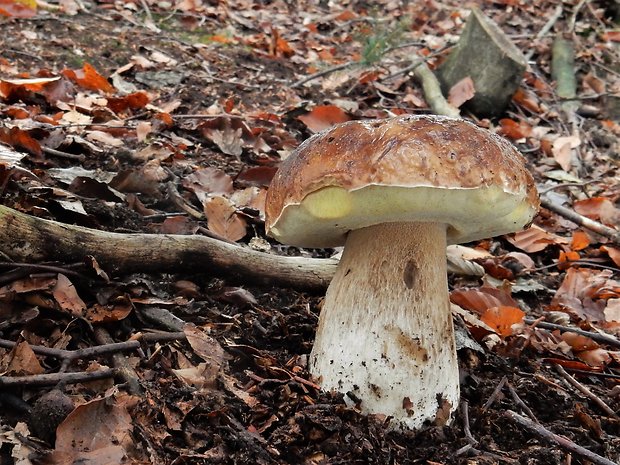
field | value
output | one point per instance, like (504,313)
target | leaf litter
(194,112)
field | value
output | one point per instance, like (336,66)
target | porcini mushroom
(395,192)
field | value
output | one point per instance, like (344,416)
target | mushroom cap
(409,168)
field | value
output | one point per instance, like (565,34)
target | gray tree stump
(487,56)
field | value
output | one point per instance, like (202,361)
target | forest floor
(152,117)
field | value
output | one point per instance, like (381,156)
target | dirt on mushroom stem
(385,333)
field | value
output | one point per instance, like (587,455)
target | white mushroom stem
(385,332)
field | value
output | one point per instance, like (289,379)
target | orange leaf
(133,101)
(89,78)
(566,257)
(502,318)
(572,364)
(20,139)
(323,117)
(346,15)
(579,342)
(612,36)
(527,100)
(580,240)
(18,9)
(513,129)
(598,208)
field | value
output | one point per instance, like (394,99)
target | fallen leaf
(613,252)
(482,299)
(461,92)
(97,432)
(323,117)
(223,220)
(89,78)
(502,318)
(533,239)
(579,241)
(208,182)
(562,150)
(598,208)
(514,130)
(22,361)
(208,349)
(66,296)
(18,8)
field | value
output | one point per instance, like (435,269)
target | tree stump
(487,56)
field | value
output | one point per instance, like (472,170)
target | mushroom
(395,192)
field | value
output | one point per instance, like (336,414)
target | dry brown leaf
(461,92)
(598,208)
(89,78)
(207,182)
(481,299)
(534,239)
(596,358)
(562,150)
(208,349)
(22,361)
(66,296)
(323,117)
(579,241)
(613,252)
(223,220)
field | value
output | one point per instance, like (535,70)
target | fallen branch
(561,441)
(581,220)
(124,369)
(53,379)
(31,239)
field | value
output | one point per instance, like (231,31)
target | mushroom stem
(385,332)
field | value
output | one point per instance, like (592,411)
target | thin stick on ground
(520,402)
(581,220)
(323,72)
(466,428)
(585,391)
(598,337)
(53,379)
(496,392)
(561,441)
(122,365)
(557,13)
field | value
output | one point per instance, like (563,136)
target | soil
(261,406)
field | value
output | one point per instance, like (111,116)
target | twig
(598,337)
(573,17)
(495,393)
(562,441)
(323,72)
(466,428)
(520,402)
(58,153)
(585,391)
(581,220)
(546,28)
(179,202)
(124,369)
(432,91)
(53,379)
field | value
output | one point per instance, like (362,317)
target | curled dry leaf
(534,239)
(613,252)
(502,319)
(514,130)
(323,117)
(579,241)
(481,299)
(223,220)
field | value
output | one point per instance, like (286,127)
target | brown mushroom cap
(410,168)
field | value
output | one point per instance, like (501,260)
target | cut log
(487,56)
(30,239)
